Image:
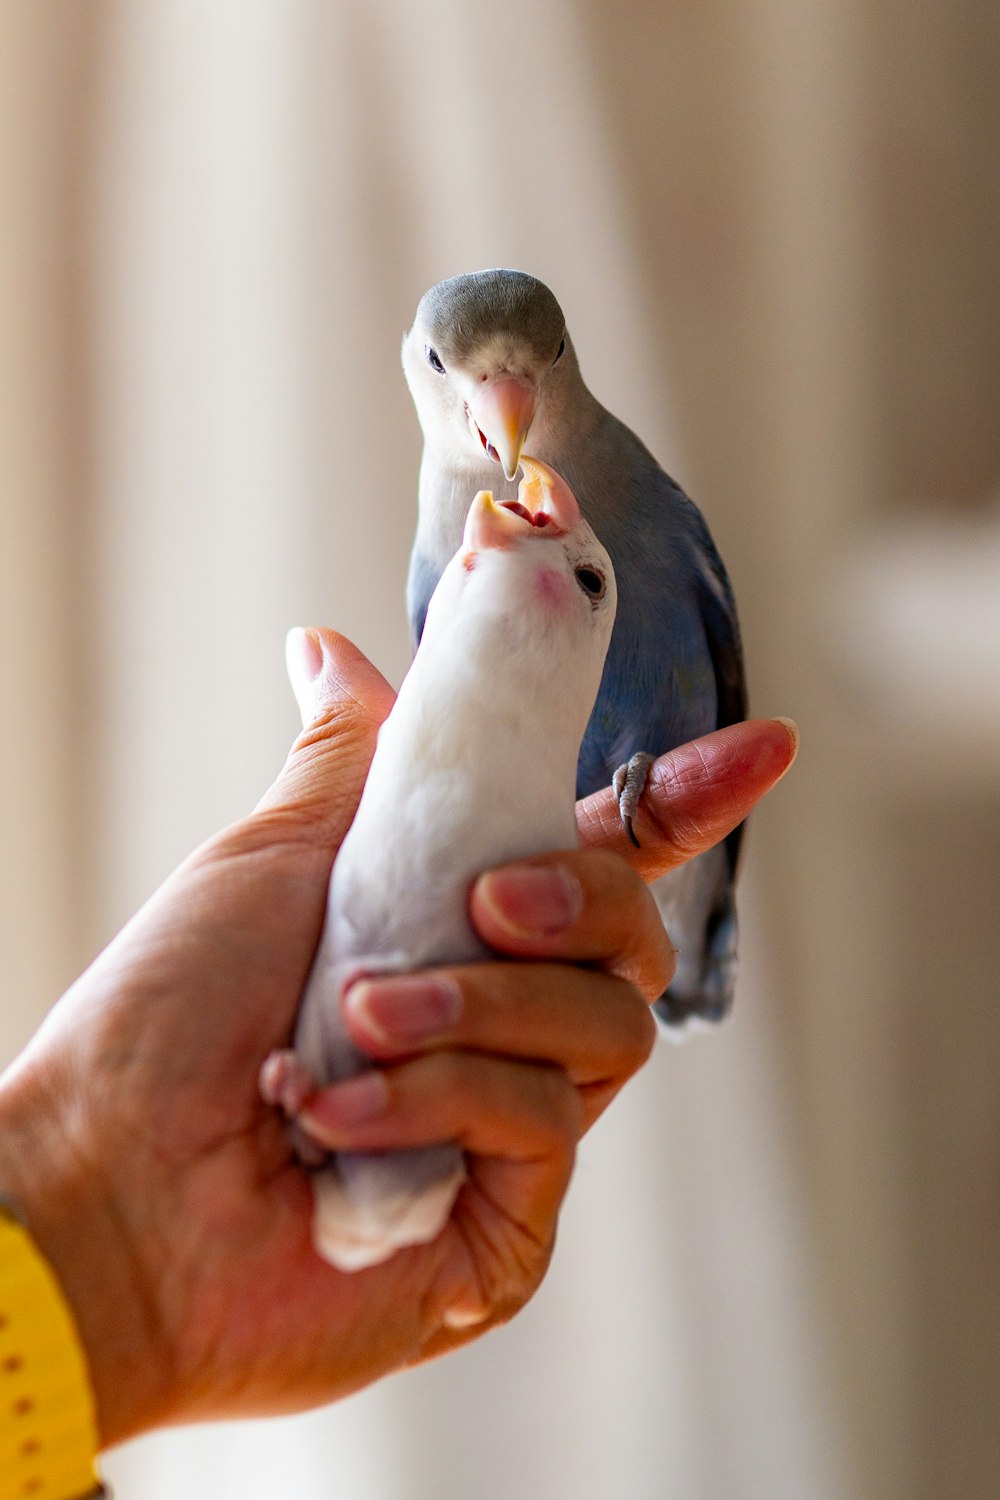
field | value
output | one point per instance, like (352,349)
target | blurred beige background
(773,227)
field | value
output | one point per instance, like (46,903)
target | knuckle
(563,1108)
(664,964)
(340,718)
(672,795)
(446,1074)
(485,996)
(615,892)
(609,868)
(633,1037)
(639,1033)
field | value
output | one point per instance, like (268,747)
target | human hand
(164,1192)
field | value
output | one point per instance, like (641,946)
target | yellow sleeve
(48,1427)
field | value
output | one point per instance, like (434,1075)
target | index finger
(694,796)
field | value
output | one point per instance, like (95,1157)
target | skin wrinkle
(701,767)
(277,834)
(207,1334)
(137,1294)
(348,719)
(310,811)
(501,1302)
(344,670)
(467,1223)
(469,1275)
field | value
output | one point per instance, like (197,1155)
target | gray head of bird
(488,360)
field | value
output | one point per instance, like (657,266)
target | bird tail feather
(699,912)
(370,1204)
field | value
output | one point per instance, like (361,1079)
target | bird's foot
(285,1081)
(629,782)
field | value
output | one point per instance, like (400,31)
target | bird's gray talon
(629,783)
(312,1156)
(285,1081)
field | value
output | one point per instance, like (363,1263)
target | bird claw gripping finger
(629,783)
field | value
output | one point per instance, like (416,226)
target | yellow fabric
(48,1428)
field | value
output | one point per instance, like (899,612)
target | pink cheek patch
(552,588)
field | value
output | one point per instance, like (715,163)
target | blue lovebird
(488,360)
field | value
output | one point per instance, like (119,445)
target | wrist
(70,1214)
(48,1428)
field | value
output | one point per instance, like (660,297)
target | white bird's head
(530,595)
(487,360)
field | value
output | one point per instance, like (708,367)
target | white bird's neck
(494,742)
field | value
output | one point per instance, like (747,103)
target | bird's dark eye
(560,351)
(434,360)
(591,582)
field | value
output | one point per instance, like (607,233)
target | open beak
(501,413)
(545,506)
(544,493)
(491,526)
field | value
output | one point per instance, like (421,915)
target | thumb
(343,699)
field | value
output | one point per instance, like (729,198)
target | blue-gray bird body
(488,360)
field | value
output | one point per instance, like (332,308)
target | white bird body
(475,766)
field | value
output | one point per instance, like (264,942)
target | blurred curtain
(219,219)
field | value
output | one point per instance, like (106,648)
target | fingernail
(463,1316)
(410,1009)
(303,662)
(337,1109)
(530,901)
(793,732)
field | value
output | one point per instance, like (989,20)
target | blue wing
(421,582)
(674,672)
(675,667)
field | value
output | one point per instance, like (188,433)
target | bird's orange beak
(545,506)
(544,493)
(503,412)
(490,526)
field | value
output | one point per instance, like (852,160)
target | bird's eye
(560,351)
(434,360)
(591,582)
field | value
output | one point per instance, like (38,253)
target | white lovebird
(475,766)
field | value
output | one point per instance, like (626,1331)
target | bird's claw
(288,1084)
(629,782)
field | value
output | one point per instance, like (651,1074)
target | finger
(491,1106)
(515,1114)
(343,700)
(581,906)
(695,795)
(595,1027)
